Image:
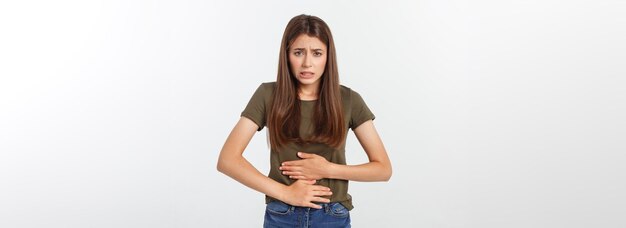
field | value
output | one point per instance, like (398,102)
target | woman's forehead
(304,41)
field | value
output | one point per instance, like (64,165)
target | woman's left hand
(310,167)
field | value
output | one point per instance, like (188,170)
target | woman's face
(307,59)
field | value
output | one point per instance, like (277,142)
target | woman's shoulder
(347,92)
(268,85)
(267,88)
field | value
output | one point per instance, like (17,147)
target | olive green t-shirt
(355,111)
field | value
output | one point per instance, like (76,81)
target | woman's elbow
(386,173)
(228,162)
(382,172)
(222,164)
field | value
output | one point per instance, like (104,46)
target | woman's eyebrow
(302,49)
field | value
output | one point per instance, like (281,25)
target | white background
(494,113)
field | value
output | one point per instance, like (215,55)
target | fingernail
(299,153)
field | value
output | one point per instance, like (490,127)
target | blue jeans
(279,214)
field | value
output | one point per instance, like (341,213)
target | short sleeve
(360,113)
(255,110)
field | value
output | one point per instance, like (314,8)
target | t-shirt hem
(257,122)
(363,121)
(346,203)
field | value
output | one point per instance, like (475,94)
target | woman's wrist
(281,193)
(332,171)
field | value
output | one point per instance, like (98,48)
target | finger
(306,155)
(291,168)
(292,173)
(321,200)
(291,163)
(312,205)
(321,188)
(299,177)
(323,193)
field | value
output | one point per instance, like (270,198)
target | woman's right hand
(304,192)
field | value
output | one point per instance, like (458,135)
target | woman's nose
(307,61)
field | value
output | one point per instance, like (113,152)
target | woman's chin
(308,81)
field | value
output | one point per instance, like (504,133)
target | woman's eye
(297,53)
(317,54)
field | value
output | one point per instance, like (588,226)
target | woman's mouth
(306,75)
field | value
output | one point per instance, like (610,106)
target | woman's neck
(308,92)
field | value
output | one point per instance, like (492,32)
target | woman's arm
(232,163)
(313,166)
(379,166)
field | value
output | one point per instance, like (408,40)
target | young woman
(307,114)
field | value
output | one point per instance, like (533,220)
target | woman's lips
(306,75)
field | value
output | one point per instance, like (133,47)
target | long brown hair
(284,115)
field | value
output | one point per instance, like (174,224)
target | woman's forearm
(238,168)
(367,172)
